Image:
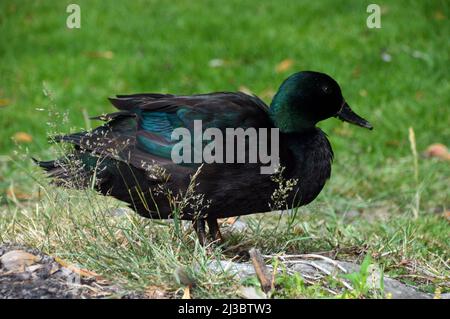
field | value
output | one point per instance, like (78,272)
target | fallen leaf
(245,90)
(186,293)
(14,194)
(267,94)
(393,143)
(17,260)
(75,269)
(4,102)
(216,63)
(384,9)
(12,8)
(234,224)
(22,137)
(438,15)
(419,55)
(356,72)
(101,54)
(439,151)
(155,292)
(437,293)
(447,215)
(343,130)
(230,220)
(419,95)
(404,262)
(284,65)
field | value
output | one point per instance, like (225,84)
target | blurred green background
(53,78)
(396,76)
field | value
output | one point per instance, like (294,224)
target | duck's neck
(286,115)
(309,159)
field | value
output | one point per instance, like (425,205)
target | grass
(381,200)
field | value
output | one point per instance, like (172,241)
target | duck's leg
(214,230)
(199,226)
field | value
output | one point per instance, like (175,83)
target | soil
(45,278)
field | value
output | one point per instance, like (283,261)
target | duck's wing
(140,133)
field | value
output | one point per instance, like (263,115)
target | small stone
(119,211)
(251,293)
(239,226)
(386,57)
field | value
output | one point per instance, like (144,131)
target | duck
(130,156)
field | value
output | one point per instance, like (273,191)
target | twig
(311,256)
(261,270)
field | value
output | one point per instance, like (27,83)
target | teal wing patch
(155,128)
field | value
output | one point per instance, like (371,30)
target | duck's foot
(214,231)
(199,226)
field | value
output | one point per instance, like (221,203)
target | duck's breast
(309,162)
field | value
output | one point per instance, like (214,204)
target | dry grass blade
(77,270)
(300,259)
(287,259)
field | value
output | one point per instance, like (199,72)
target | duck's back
(130,155)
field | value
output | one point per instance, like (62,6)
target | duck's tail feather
(67,172)
(46,165)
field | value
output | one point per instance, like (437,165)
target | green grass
(52,78)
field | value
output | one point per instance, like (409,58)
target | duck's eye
(326,89)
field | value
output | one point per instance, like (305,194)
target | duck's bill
(346,114)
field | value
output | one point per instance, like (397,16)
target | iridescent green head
(306,98)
